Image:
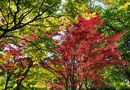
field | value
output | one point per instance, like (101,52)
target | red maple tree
(13,62)
(83,52)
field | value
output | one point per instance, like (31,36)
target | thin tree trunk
(7,80)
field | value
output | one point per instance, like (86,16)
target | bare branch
(17,11)
(3,34)
(19,24)
(23,15)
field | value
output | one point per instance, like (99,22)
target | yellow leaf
(41,84)
(125,6)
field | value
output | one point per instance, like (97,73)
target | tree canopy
(64,44)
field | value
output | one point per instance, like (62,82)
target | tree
(24,18)
(21,13)
(116,16)
(83,52)
(14,63)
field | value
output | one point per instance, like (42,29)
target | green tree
(116,15)
(22,19)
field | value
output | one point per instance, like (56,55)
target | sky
(95,3)
(100,4)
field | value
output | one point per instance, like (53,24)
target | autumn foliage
(14,62)
(83,53)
